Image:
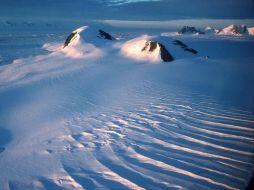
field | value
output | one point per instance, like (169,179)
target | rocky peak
(88,34)
(105,35)
(151,46)
(70,38)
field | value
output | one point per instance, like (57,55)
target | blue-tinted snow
(111,122)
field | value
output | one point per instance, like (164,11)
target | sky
(128,9)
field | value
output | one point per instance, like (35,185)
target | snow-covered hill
(95,112)
(87,40)
(144,49)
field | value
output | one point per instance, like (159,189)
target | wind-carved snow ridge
(171,143)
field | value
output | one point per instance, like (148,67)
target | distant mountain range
(233,30)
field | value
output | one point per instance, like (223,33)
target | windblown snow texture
(111,114)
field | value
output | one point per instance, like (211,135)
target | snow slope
(99,114)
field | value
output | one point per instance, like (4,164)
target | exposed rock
(151,46)
(185,47)
(189,30)
(179,43)
(105,35)
(88,34)
(70,38)
(191,50)
(165,55)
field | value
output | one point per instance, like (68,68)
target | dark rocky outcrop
(191,50)
(165,55)
(88,35)
(185,47)
(189,30)
(179,43)
(152,45)
(105,35)
(70,38)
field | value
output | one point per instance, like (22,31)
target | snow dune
(98,114)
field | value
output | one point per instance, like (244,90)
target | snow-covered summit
(144,48)
(87,34)
(151,46)
(86,41)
